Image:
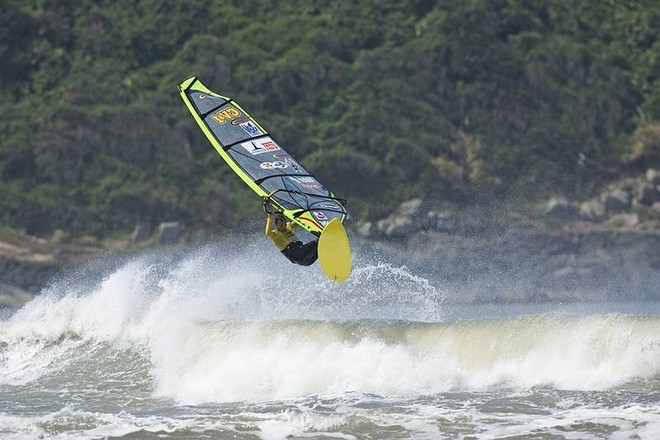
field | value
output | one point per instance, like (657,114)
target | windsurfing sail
(260,161)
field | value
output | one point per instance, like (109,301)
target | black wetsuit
(303,254)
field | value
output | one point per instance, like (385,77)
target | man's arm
(268,226)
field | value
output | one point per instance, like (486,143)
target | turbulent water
(237,343)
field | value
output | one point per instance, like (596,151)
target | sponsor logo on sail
(250,128)
(260,146)
(225,115)
(321,216)
(306,182)
(324,205)
(272,165)
(293,164)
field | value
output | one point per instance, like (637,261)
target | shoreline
(524,262)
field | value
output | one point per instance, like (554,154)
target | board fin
(335,251)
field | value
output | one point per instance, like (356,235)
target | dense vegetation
(463,100)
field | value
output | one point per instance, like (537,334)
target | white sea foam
(84,425)
(263,361)
(215,327)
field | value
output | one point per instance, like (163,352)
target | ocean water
(227,342)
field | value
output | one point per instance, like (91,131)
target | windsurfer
(288,243)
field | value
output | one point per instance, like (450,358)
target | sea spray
(231,340)
(215,326)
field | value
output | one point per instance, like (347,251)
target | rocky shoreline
(28,264)
(525,261)
(604,249)
(26,267)
(571,263)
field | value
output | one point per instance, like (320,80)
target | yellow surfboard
(335,251)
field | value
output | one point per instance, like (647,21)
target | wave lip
(228,361)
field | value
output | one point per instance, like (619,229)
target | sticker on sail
(260,146)
(250,128)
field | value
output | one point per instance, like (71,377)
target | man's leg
(305,254)
(309,253)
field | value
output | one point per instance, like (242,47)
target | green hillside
(383,100)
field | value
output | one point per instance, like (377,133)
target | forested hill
(478,100)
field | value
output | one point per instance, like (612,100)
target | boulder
(410,208)
(648,194)
(617,200)
(141,232)
(405,221)
(561,209)
(396,226)
(170,232)
(653,177)
(442,221)
(592,210)
(364,229)
(655,208)
(13,296)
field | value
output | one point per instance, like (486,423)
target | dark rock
(561,209)
(170,232)
(655,208)
(617,200)
(141,232)
(29,274)
(442,221)
(13,296)
(25,269)
(648,194)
